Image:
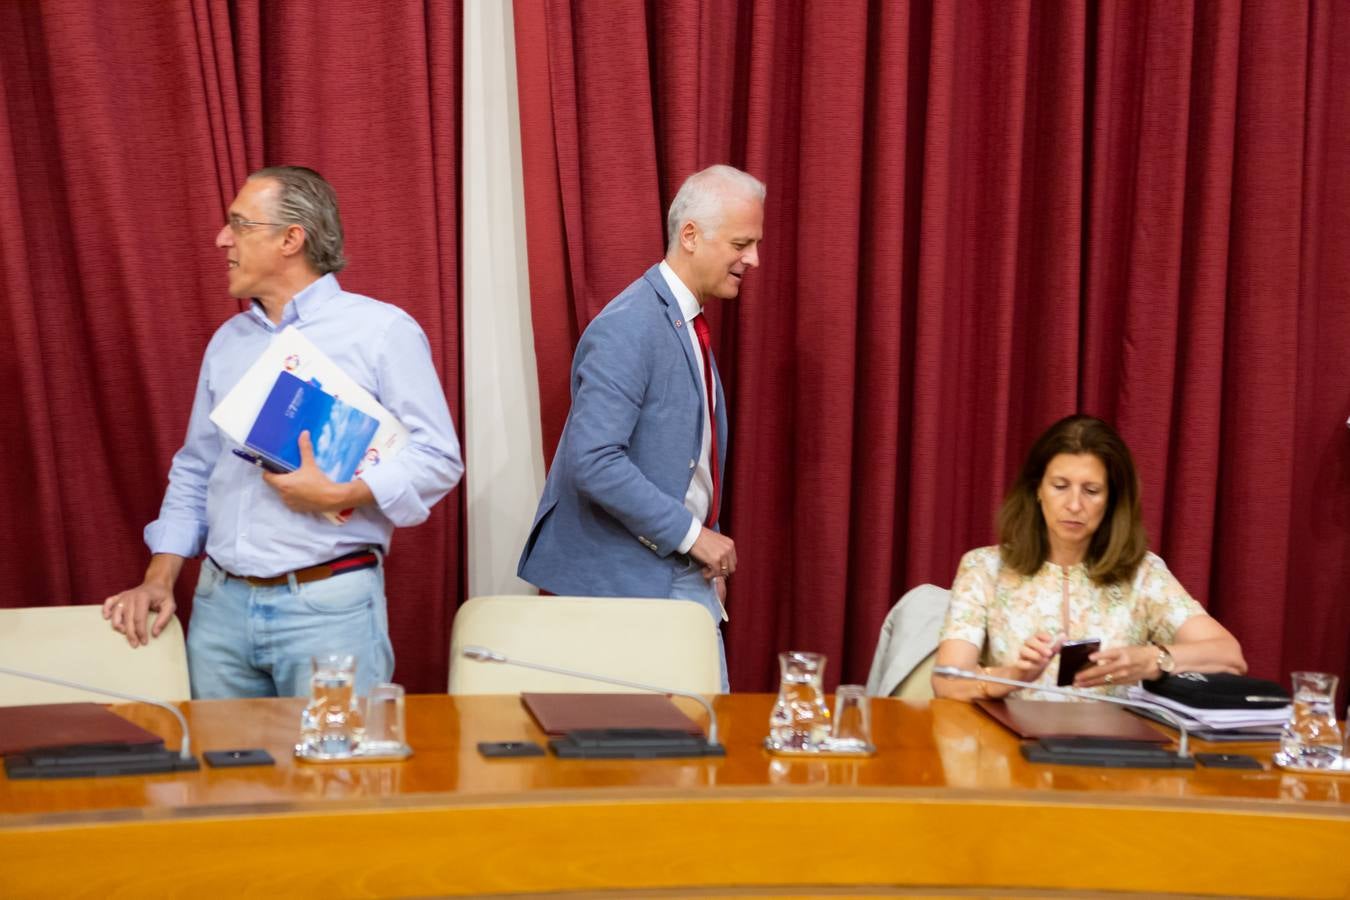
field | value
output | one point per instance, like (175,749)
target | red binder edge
(557,714)
(1032,719)
(53,725)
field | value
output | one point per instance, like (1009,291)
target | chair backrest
(671,643)
(918,684)
(77,644)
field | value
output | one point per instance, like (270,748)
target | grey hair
(304,198)
(700,199)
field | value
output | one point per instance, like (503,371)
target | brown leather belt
(352,562)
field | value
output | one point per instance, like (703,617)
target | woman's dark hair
(1118,545)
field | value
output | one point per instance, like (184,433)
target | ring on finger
(1109,678)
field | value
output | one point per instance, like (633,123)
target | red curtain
(126,129)
(982,217)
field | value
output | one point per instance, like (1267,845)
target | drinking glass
(852,720)
(800,719)
(1311,737)
(330,725)
(384,721)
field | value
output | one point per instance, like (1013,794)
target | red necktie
(705,341)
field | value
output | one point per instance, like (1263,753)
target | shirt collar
(306,304)
(683,296)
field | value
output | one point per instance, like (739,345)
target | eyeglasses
(239,226)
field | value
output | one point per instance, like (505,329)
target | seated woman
(1072,562)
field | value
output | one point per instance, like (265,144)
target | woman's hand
(1032,658)
(1119,665)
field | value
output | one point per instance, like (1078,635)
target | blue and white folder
(290,351)
(340,432)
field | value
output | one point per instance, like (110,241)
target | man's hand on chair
(129,611)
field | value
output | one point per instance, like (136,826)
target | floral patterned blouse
(998,609)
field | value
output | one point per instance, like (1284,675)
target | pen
(259,461)
(1259,699)
(247,457)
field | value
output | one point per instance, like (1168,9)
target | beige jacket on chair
(903,663)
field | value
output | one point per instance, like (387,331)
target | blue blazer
(613,513)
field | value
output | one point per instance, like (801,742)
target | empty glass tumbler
(800,719)
(852,730)
(1311,737)
(384,729)
(331,724)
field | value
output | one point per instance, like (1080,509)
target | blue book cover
(340,433)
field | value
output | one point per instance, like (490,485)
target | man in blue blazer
(631,503)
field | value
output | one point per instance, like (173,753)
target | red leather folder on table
(558,714)
(49,726)
(1035,719)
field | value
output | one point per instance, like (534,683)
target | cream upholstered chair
(76,643)
(918,684)
(670,643)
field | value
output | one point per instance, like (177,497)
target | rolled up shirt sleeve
(180,528)
(407,485)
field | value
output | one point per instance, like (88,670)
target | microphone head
(482,654)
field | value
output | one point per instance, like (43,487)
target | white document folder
(291,351)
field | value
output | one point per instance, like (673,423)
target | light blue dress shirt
(219,502)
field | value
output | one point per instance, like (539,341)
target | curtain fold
(125,131)
(981,217)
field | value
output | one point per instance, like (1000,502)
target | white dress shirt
(699,496)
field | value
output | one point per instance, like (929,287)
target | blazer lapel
(681,328)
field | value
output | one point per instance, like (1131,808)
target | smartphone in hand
(1073,655)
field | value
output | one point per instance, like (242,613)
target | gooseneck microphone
(185,758)
(483,654)
(1157,708)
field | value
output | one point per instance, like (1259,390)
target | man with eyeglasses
(281,582)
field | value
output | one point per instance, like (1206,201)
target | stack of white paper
(1219,719)
(291,351)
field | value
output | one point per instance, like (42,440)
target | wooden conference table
(947,806)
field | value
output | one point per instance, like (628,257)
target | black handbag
(1219,690)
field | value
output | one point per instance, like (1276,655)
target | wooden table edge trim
(611,796)
(660,842)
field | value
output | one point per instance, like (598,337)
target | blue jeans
(690,584)
(246,641)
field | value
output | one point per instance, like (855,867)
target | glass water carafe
(1311,737)
(800,718)
(330,725)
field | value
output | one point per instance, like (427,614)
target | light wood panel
(947,803)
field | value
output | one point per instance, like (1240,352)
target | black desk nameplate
(632,743)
